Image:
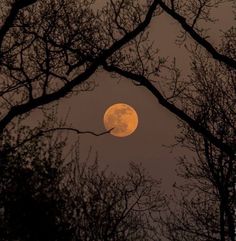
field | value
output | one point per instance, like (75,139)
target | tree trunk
(222,221)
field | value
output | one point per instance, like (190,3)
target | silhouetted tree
(45,197)
(112,207)
(30,196)
(206,105)
(47,48)
(207,211)
(142,63)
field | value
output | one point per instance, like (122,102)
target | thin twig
(44,132)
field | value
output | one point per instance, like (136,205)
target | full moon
(121,118)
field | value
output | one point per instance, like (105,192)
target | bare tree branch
(63,91)
(44,132)
(172,108)
(200,40)
(16,7)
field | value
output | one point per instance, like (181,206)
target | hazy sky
(157,127)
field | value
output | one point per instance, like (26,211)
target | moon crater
(122,119)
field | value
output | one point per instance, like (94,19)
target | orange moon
(121,118)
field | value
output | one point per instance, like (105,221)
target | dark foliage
(43,198)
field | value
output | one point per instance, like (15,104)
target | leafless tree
(143,65)
(112,207)
(50,47)
(207,207)
(47,195)
(205,104)
(204,207)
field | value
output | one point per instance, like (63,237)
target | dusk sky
(157,126)
(117,120)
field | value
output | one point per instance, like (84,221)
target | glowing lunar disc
(121,118)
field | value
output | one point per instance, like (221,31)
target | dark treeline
(45,197)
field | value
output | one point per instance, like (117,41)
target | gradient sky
(157,126)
